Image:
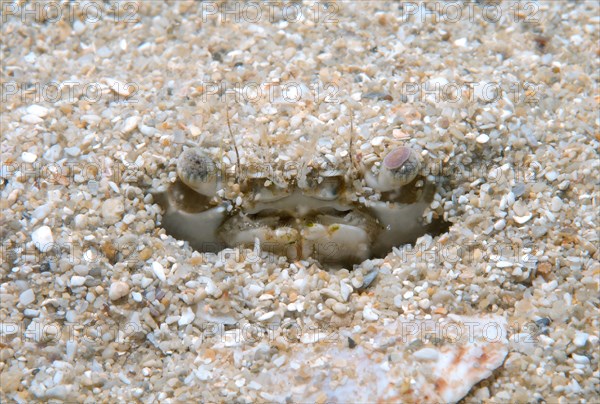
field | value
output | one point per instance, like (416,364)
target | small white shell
(522,219)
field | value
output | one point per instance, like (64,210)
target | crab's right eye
(198,171)
(399,167)
(402,164)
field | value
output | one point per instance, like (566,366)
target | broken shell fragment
(522,219)
(467,351)
(198,171)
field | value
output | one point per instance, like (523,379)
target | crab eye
(399,167)
(198,171)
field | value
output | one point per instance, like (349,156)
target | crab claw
(198,171)
(399,167)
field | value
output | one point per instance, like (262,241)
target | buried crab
(340,212)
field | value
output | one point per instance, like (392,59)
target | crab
(342,213)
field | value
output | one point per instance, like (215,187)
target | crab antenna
(352,167)
(237,154)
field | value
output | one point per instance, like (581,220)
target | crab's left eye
(398,168)
(198,171)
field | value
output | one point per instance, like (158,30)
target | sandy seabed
(500,101)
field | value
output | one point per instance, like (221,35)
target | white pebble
(254,385)
(377,141)
(42,237)
(194,130)
(73,151)
(551,176)
(81,270)
(550,286)
(60,392)
(186,317)
(483,138)
(295,121)
(118,86)
(30,313)
(428,354)
(212,289)
(32,119)
(112,209)
(78,27)
(345,290)
(131,123)
(71,348)
(77,280)
(266,316)
(27,297)
(136,296)
(145,282)
(37,110)
(580,339)
(41,211)
(71,316)
(159,271)
(80,221)
(129,218)
(91,119)
(424,304)
(253,290)
(500,224)
(30,58)
(280,360)
(369,314)
(517,272)
(462,42)
(53,153)
(581,359)
(339,308)
(522,219)
(520,208)
(118,290)
(556,204)
(28,157)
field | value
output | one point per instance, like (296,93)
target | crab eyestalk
(198,171)
(398,168)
